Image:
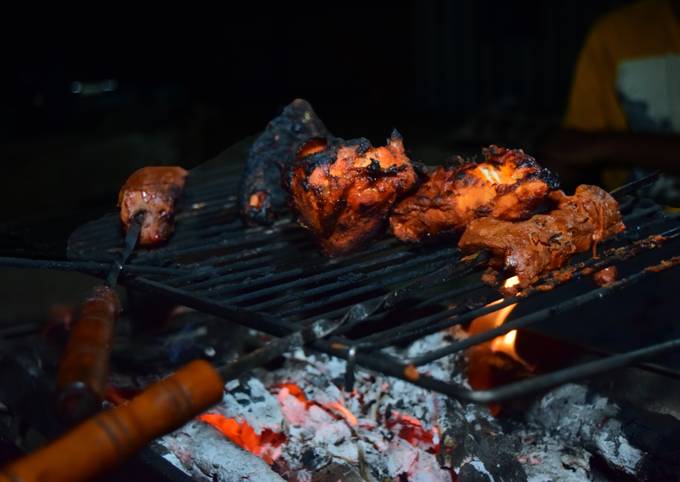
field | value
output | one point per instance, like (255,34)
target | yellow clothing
(622,55)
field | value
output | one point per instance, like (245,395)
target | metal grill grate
(275,280)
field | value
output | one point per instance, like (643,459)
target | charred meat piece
(508,185)
(152,191)
(261,195)
(344,192)
(606,276)
(546,241)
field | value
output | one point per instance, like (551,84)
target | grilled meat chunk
(507,185)
(152,191)
(606,276)
(261,195)
(344,192)
(546,241)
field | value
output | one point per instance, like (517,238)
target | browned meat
(508,185)
(344,192)
(153,191)
(606,276)
(546,241)
(261,196)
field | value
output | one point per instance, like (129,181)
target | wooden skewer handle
(84,367)
(110,437)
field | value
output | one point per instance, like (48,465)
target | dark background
(83,107)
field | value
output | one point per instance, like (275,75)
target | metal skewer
(110,437)
(84,367)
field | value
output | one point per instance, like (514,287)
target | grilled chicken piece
(545,242)
(508,185)
(152,191)
(261,195)
(344,192)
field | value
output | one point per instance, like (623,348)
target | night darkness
(85,109)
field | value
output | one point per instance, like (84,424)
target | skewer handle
(110,437)
(84,367)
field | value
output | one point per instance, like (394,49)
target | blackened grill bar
(274,280)
(446,319)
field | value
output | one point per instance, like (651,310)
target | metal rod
(634,185)
(90,267)
(278,347)
(130,243)
(546,314)
(438,321)
(396,368)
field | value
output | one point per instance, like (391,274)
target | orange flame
(485,370)
(265,445)
(505,343)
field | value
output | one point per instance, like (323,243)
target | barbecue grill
(274,279)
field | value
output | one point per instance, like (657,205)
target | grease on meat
(343,192)
(508,185)
(545,242)
(152,191)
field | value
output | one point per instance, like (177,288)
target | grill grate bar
(274,279)
(242,259)
(299,271)
(439,321)
(395,368)
(343,284)
(545,314)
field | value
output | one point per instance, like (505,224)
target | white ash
(480,468)
(250,400)
(579,418)
(205,455)
(553,441)
(546,459)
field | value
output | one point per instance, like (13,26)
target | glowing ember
(330,421)
(265,445)
(344,411)
(292,415)
(411,429)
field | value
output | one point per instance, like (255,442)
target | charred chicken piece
(153,192)
(261,195)
(507,185)
(344,192)
(545,242)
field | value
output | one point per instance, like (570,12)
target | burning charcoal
(208,457)
(474,471)
(251,401)
(314,459)
(338,470)
(631,442)
(475,445)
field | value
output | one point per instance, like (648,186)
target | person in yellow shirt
(624,105)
